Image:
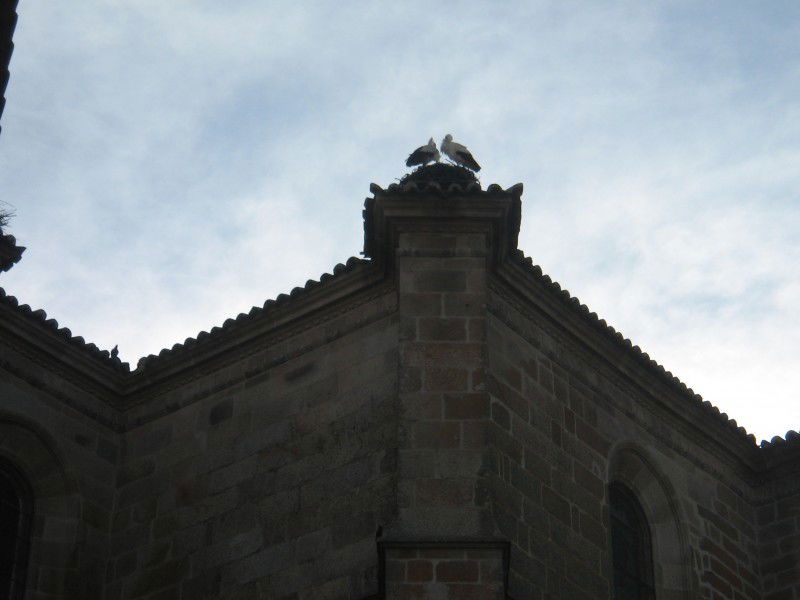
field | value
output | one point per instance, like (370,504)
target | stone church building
(437,420)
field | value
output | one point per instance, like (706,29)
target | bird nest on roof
(442,174)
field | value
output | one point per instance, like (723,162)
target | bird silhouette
(424,154)
(458,153)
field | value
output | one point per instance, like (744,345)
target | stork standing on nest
(458,153)
(424,154)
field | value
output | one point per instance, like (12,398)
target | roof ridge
(40,316)
(452,189)
(643,357)
(790,439)
(255,312)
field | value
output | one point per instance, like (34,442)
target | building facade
(436,420)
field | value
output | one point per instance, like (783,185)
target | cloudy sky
(174,163)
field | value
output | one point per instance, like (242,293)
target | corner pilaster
(440,246)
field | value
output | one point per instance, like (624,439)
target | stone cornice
(116,389)
(532,291)
(44,350)
(240,337)
(50,327)
(782,458)
(54,347)
(391,211)
(414,205)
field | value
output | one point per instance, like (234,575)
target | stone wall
(440,250)
(567,419)
(547,487)
(441,421)
(274,479)
(443,402)
(458,570)
(67,458)
(778,517)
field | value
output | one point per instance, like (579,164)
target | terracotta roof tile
(255,313)
(40,317)
(600,324)
(791,439)
(203,337)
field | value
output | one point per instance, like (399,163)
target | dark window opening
(15,520)
(631,549)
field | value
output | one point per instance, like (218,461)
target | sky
(172,164)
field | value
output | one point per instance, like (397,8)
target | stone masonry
(437,420)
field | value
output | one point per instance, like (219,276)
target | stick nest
(441,173)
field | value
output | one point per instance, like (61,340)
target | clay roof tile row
(444,189)
(40,316)
(792,437)
(644,358)
(254,313)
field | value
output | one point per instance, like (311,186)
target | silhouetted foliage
(6,215)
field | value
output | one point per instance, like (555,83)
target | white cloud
(170,161)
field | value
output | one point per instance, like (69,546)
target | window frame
(21,489)
(623,501)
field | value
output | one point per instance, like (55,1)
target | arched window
(631,550)
(15,520)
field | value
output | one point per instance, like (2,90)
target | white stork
(424,154)
(458,153)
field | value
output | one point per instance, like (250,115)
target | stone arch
(16,513)
(56,508)
(632,467)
